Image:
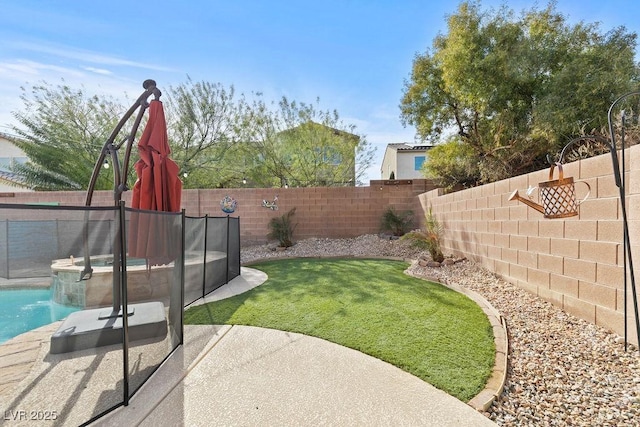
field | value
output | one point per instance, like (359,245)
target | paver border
(495,385)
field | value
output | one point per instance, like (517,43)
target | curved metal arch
(120,172)
(619,174)
(619,177)
(110,148)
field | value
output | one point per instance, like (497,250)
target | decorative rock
(433,264)
(448,261)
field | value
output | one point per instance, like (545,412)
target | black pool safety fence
(106,262)
(216,240)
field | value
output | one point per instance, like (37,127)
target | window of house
(418,162)
(8,162)
(332,156)
(329,155)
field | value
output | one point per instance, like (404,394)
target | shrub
(282,229)
(428,239)
(397,223)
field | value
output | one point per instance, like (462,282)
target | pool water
(22,310)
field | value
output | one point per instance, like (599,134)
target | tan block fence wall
(331,212)
(575,263)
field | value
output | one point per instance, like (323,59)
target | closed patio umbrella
(158,188)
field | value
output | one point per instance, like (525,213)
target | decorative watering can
(558,196)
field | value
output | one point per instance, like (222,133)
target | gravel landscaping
(562,370)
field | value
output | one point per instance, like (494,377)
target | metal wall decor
(558,196)
(273,205)
(228,204)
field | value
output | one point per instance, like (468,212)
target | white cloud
(20,67)
(98,70)
(82,55)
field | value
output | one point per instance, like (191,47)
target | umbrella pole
(119,180)
(98,327)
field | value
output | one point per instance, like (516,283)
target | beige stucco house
(10,155)
(403,161)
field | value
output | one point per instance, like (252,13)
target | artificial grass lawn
(424,328)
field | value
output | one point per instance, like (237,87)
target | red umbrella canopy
(157,188)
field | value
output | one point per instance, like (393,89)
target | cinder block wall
(320,212)
(574,263)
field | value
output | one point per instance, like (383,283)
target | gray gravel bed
(563,371)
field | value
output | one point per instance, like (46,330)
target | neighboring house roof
(402,146)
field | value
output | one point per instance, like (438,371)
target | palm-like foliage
(282,229)
(62,132)
(429,238)
(396,222)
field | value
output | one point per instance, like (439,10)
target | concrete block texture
(602,252)
(538,244)
(604,296)
(565,247)
(580,269)
(582,309)
(610,275)
(597,209)
(581,230)
(564,285)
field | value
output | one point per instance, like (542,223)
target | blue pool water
(22,310)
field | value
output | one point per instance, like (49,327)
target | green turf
(421,327)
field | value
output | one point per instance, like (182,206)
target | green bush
(397,223)
(452,163)
(282,229)
(429,239)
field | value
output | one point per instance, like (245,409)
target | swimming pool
(22,310)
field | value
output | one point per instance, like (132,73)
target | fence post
(182,273)
(227,253)
(122,243)
(6,222)
(204,273)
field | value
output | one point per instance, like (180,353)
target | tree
(217,138)
(452,163)
(63,131)
(297,144)
(514,90)
(204,124)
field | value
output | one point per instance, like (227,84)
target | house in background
(404,161)
(307,155)
(9,156)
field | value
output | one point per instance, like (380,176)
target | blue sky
(352,54)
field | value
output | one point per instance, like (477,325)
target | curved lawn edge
(495,385)
(495,382)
